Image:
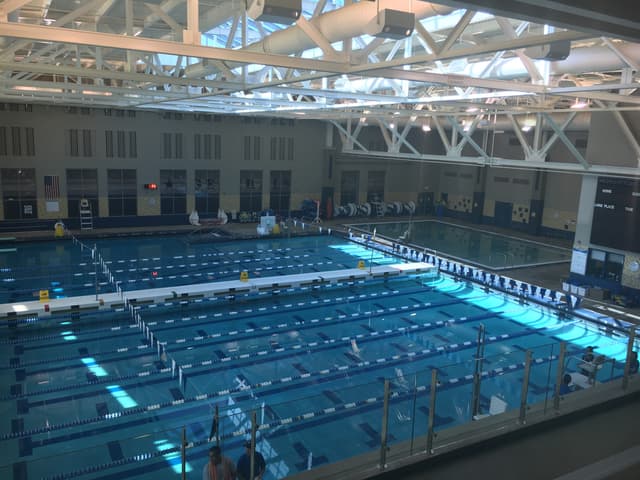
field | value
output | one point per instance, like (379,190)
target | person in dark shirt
(219,467)
(588,355)
(565,388)
(244,464)
(633,363)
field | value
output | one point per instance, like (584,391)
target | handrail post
(183,453)
(525,387)
(253,444)
(477,373)
(385,424)
(627,363)
(559,375)
(432,410)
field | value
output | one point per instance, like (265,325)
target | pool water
(67,268)
(90,394)
(489,250)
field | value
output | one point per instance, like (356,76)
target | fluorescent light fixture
(19,308)
(28,88)
(471,96)
(578,104)
(528,123)
(94,92)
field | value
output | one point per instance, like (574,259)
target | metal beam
(426,36)
(175,26)
(505,26)
(465,135)
(116,75)
(318,38)
(8,53)
(443,135)
(192,34)
(346,133)
(516,164)
(166,6)
(574,151)
(77,37)
(628,133)
(518,131)
(9,6)
(542,153)
(457,31)
(470,51)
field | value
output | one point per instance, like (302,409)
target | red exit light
(151,186)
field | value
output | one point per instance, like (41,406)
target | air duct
(337,25)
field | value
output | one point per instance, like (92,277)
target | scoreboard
(616,214)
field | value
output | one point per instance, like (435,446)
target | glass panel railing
(154,454)
(542,374)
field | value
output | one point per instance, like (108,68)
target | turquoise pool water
(489,250)
(88,396)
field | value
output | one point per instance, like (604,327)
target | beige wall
(52,157)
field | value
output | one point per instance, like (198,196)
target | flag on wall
(51,187)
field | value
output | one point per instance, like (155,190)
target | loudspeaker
(554,51)
(395,23)
(274,11)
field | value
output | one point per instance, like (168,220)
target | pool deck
(207,290)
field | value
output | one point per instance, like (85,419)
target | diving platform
(191,292)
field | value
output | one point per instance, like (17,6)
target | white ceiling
(149,55)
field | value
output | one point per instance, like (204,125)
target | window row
(17,141)
(350,187)
(20,191)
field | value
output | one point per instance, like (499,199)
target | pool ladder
(86,216)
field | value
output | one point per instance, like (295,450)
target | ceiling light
(426,127)
(392,125)
(274,11)
(579,104)
(94,92)
(27,88)
(394,24)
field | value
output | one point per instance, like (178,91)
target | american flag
(51,187)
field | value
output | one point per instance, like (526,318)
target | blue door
(502,214)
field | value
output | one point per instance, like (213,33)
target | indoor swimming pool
(111,393)
(482,248)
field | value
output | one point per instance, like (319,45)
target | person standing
(219,467)
(634,363)
(244,464)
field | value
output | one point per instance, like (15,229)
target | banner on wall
(579,261)
(51,187)
(52,207)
